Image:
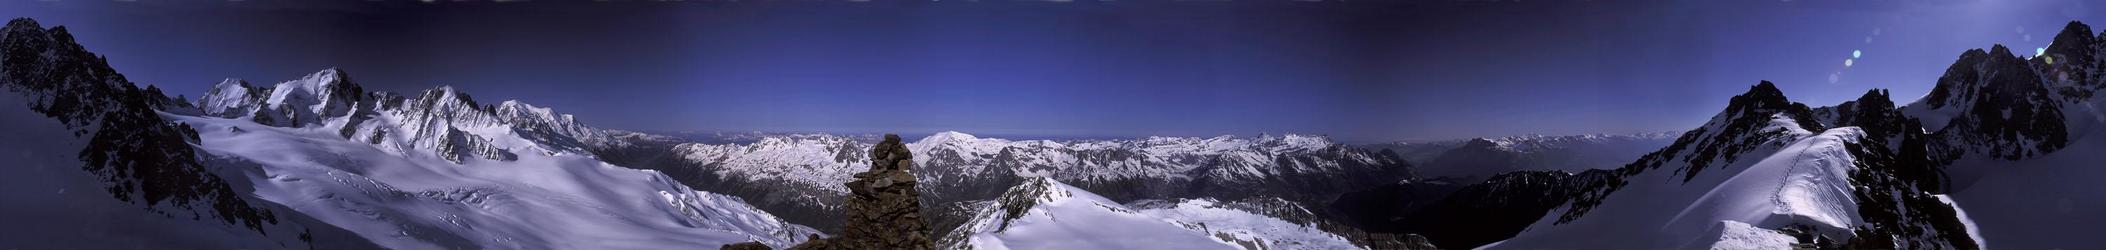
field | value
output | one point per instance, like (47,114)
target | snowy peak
(1036,190)
(1295,142)
(305,101)
(1760,116)
(1753,123)
(328,93)
(442,121)
(540,124)
(948,136)
(231,98)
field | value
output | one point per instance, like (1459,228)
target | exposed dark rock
(1897,213)
(139,157)
(884,209)
(1453,216)
(1893,185)
(2072,62)
(750,245)
(1383,208)
(1999,107)
(1875,112)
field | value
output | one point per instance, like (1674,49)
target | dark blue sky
(1360,71)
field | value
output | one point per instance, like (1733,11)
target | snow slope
(2046,202)
(1802,178)
(1247,229)
(52,204)
(2019,190)
(411,199)
(1046,214)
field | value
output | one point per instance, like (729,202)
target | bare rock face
(884,210)
(745,246)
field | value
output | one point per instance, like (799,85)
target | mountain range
(2001,152)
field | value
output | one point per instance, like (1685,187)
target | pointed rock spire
(2074,43)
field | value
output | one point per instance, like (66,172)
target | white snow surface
(52,204)
(439,170)
(1734,235)
(2046,202)
(1065,217)
(535,202)
(1799,178)
(2050,201)
(1248,229)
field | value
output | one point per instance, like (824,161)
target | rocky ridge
(796,174)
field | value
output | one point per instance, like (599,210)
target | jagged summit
(441,121)
(23,22)
(1763,98)
(2074,43)
(1998,104)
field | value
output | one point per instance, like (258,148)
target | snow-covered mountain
(2000,153)
(319,161)
(2023,153)
(440,121)
(1765,168)
(440,170)
(1042,213)
(800,173)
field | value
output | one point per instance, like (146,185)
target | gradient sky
(1360,71)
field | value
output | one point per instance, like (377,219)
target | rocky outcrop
(745,246)
(1992,104)
(884,210)
(138,156)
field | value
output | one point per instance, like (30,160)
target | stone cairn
(884,210)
